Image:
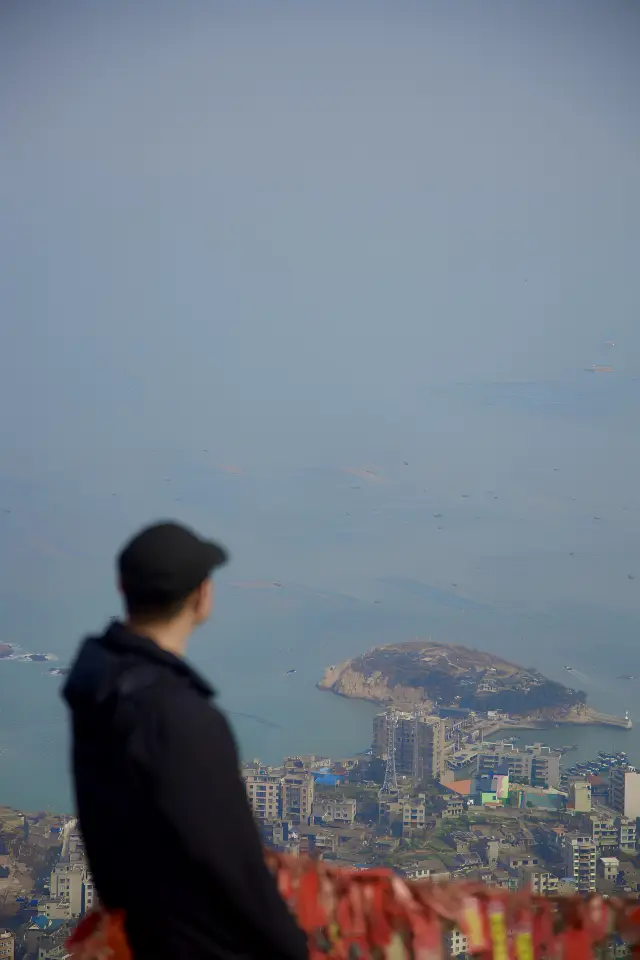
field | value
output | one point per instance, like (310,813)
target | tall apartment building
(428,741)
(264,790)
(71,891)
(273,796)
(604,832)
(624,796)
(537,764)
(67,883)
(7,945)
(297,796)
(413,815)
(580,857)
(545,769)
(627,834)
(419,745)
(611,833)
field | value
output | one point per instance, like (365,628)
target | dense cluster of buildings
(40,912)
(309,803)
(71,891)
(281,794)
(511,818)
(537,765)
(514,822)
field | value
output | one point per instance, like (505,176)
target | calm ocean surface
(536,556)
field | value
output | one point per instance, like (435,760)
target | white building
(456,943)
(7,945)
(331,810)
(580,796)
(627,834)
(297,796)
(72,893)
(67,886)
(580,855)
(537,881)
(608,868)
(264,790)
(624,794)
(605,832)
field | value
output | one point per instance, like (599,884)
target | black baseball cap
(165,562)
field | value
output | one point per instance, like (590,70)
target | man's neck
(171,636)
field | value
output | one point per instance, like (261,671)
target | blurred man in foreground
(168,830)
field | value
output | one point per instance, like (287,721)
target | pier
(608,720)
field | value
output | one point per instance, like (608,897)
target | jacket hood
(96,674)
(93,675)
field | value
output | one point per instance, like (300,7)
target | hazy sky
(219,214)
(267,230)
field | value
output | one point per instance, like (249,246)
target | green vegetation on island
(450,675)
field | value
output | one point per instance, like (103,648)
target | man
(168,829)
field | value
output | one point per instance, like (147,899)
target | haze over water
(322,281)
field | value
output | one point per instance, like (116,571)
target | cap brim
(214,555)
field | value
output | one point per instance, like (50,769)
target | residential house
(537,880)
(608,868)
(7,945)
(340,809)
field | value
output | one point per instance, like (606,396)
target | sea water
(512,527)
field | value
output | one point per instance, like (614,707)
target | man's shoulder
(152,686)
(162,719)
(167,702)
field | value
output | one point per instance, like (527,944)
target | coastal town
(430,799)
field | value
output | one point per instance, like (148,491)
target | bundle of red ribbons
(359,914)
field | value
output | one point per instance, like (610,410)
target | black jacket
(168,830)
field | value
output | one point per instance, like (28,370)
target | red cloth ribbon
(374,913)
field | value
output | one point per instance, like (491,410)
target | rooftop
(462,787)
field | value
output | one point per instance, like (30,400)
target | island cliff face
(438,674)
(349,680)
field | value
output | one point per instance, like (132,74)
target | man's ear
(203,597)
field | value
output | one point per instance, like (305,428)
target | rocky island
(9,651)
(433,674)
